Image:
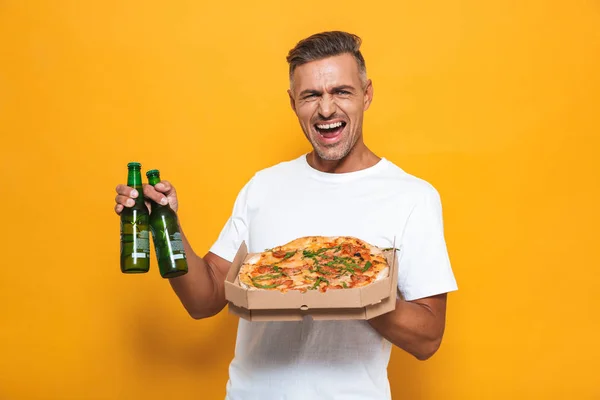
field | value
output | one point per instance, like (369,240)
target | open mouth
(330,130)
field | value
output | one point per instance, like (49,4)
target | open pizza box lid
(269,305)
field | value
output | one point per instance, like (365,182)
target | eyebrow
(333,89)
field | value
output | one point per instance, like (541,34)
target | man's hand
(415,326)
(163,193)
(202,289)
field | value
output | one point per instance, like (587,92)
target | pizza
(315,263)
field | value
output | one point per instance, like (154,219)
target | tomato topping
(292,271)
(359,278)
(263,269)
(279,254)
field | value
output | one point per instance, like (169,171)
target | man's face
(329,97)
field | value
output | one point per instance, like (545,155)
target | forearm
(201,290)
(412,327)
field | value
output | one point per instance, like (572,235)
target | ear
(368,95)
(292,101)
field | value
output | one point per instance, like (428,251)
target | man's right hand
(202,289)
(162,193)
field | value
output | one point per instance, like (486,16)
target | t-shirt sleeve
(235,230)
(424,264)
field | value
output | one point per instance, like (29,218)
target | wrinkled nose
(327,107)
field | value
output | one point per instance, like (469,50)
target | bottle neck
(153,179)
(134,180)
(154,205)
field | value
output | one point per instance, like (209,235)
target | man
(339,188)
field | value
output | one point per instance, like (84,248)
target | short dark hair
(323,45)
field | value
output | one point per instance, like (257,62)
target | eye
(343,92)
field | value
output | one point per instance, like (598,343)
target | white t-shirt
(311,359)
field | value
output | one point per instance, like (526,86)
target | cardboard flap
(298,315)
(233,292)
(237,262)
(312,299)
(388,304)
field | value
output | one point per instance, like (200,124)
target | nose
(327,106)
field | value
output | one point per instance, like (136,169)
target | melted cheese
(298,275)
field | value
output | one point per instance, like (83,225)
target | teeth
(330,126)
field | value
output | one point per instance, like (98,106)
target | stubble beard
(333,152)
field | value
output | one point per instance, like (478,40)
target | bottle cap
(153,172)
(134,164)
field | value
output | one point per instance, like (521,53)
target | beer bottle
(135,236)
(166,236)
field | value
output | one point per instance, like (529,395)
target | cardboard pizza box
(269,305)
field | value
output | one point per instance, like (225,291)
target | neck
(360,157)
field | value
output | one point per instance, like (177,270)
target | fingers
(159,193)
(128,191)
(124,198)
(165,187)
(152,194)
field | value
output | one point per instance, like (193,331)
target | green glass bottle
(135,234)
(166,235)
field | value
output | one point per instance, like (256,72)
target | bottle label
(177,248)
(141,243)
(135,236)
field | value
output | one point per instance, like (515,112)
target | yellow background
(495,103)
